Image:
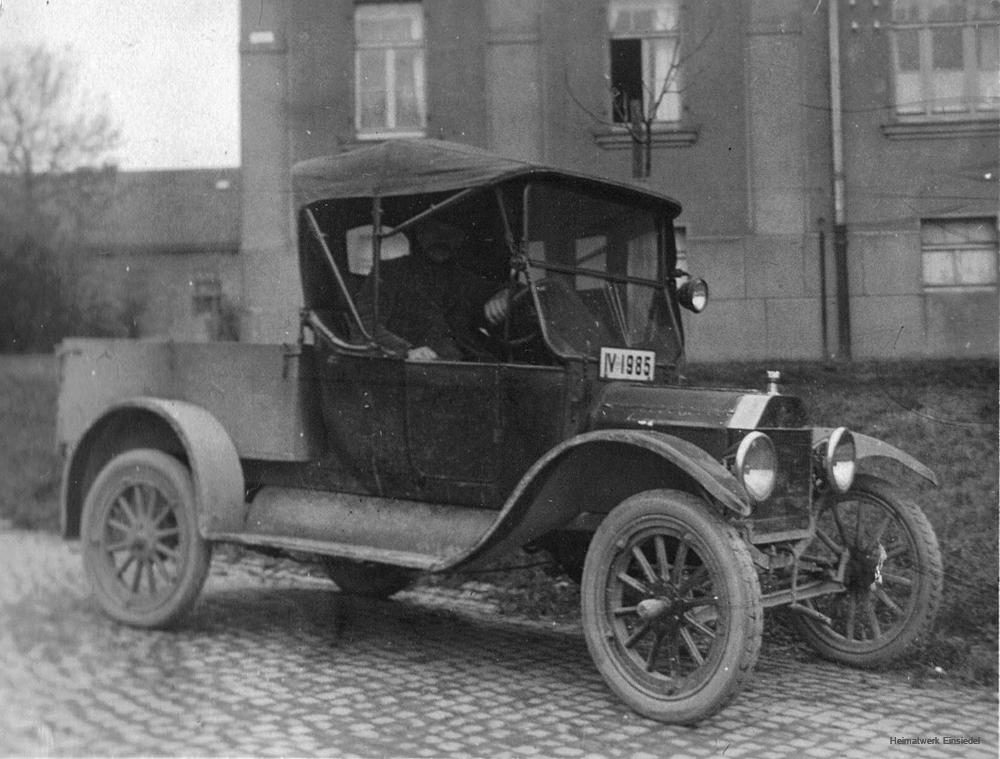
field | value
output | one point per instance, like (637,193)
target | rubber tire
(734,579)
(366,578)
(173,480)
(927,598)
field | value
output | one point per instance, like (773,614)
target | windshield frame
(664,287)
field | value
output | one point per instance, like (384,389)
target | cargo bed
(261,394)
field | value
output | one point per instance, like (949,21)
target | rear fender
(181,429)
(869,447)
(593,472)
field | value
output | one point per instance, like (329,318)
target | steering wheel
(519,328)
(517,332)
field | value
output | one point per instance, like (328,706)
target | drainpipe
(823,317)
(839,218)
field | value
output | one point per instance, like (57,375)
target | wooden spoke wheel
(893,580)
(142,551)
(671,606)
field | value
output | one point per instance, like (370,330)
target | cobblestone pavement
(275,664)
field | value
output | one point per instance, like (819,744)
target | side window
(945,56)
(591,253)
(645,61)
(390,98)
(360,247)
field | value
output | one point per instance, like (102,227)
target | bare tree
(55,147)
(55,171)
(638,115)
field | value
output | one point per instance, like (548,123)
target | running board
(362,528)
(340,550)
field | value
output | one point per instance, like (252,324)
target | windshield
(596,268)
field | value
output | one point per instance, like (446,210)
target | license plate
(626,364)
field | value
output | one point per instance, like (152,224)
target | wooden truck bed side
(263,395)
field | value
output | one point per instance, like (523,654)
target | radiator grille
(788,507)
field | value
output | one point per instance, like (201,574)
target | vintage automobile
(684,512)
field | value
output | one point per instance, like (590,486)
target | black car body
(683,511)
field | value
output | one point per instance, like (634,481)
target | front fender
(177,427)
(538,504)
(871,447)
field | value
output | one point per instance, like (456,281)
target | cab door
(474,429)
(364,405)
(441,431)
(454,426)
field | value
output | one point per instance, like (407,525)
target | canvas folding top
(413,167)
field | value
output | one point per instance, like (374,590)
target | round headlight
(840,460)
(756,465)
(693,295)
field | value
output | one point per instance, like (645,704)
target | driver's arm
(496,308)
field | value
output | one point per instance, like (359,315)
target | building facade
(838,165)
(163,254)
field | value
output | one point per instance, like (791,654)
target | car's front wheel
(671,606)
(893,575)
(142,552)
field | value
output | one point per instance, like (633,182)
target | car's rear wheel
(893,576)
(367,578)
(671,606)
(142,551)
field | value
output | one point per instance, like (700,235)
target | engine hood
(627,405)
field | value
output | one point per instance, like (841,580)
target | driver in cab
(431,306)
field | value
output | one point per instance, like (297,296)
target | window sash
(937,11)
(661,67)
(390,92)
(959,254)
(959,268)
(987,61)
(389,25)
(643,18)
(944,58)
(656,24)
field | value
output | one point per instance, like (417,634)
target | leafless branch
(639,126)
(677,63)
(46,133)
(579,104)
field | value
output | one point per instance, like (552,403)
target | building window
(959,254)
(390,99)
(645,59)
(207,292)
(945,54)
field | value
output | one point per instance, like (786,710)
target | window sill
(942,129)
(618,138)
(414,134)
(962,289)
